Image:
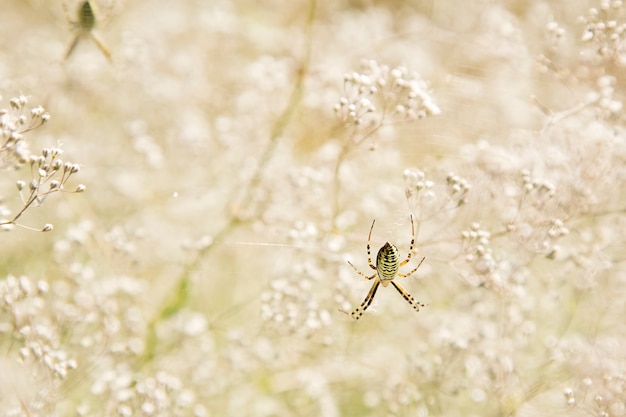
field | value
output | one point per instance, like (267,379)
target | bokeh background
(234,156)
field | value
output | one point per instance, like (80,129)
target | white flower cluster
(415,183)
(13,124)
(37,336)
(50,174)
(605,30)
(478,250)
(377,91)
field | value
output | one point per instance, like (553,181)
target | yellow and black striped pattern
(387,262)
(87,15)
(87,19)
(387,268)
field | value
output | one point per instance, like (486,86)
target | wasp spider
(387,267)
(87,19)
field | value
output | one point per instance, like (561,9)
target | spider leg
(413,271)
(361,273)
(408,258)
(369,252)
(72,46)
(358,312)
(408,297)
(103,48)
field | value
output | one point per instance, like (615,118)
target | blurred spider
(387,267)
(87,18)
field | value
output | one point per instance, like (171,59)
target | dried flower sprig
(14,123)
(478,252)
(49,174)
(605,31)
(376,92)
(22,305)
(422,192)
(376,95)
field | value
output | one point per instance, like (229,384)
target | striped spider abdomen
(387,268)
